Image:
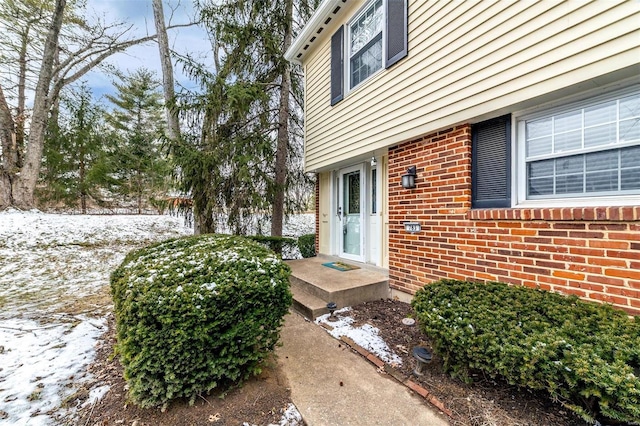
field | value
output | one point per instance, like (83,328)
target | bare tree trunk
(139,191)
(22,85)
(173,125)
(82,172)
(9,158)
(283,133)
(202,221)
(24,187)
(7,137)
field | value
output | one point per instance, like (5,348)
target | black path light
(423,357)
(331,306)
(409,179)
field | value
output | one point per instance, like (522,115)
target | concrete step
(314,285)
(306,304)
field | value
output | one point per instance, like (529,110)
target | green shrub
(585,355)
(278,245)
(196,313)
(307,245)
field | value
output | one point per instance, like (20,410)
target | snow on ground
(290,417)
(366,336)
(54,295)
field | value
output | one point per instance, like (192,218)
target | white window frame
(519,171)
(348,52)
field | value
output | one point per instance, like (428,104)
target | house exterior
(521,119)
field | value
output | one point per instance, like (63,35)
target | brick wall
(590,252)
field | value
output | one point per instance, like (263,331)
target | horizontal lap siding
(593,253)
(467,59)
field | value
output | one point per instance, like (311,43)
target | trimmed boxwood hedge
(586,355)
(307,245)
(196,313)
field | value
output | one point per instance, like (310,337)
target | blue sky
(140,13)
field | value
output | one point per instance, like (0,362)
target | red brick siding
(590,252)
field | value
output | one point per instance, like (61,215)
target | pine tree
(45,46)
(141,168)
(238,160)
(76,166)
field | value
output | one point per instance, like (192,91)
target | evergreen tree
(76,165)
(242,154)
(45,46)
(141,168)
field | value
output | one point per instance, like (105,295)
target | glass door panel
(351,223)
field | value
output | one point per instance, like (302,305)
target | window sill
(608,214)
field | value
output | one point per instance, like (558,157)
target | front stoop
(314,285)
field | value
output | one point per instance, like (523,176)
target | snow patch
(366,336)
(290,417)
(96,395)
(43,364)
(53,270)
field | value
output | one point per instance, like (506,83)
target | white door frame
(341,213)
(373,236)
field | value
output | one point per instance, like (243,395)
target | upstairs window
(590,149)
(375,38)
(365,43)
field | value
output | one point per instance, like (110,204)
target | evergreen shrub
(585,355)
(196,313)
(307,245)
(279,245)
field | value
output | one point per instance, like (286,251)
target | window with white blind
(588,149)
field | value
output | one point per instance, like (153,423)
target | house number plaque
(412,227)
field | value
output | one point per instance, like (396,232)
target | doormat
(340,266)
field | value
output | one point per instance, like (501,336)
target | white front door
(351,213)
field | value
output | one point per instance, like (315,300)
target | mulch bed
(485,402)
(261,400)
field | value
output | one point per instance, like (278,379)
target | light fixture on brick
(409,179)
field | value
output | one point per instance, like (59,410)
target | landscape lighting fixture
(331,306)
(409,180)
(423,357)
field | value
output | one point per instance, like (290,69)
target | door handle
(340,212)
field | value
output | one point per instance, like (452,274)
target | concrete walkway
(330,385)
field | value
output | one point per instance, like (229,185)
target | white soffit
(322,20)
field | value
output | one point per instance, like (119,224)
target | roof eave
(311,27)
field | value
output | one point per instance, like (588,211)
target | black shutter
(396,31)
(337,66)
(491,163)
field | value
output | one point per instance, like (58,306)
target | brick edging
(397,375)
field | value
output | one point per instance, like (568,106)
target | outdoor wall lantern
(409,180)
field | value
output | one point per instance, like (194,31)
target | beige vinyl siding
(468,59)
